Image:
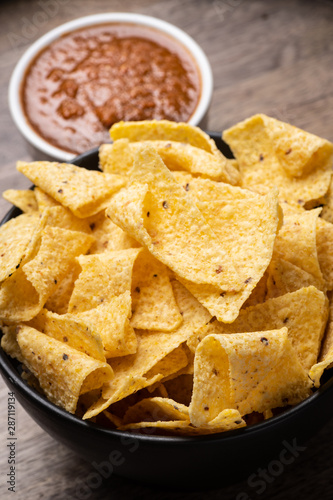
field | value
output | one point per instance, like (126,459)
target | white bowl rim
(14,92)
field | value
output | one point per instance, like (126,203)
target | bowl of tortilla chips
(166,299)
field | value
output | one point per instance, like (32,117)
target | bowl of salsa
(80,78)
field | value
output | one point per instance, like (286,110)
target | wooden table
(274,57)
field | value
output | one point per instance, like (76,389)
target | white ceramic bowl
(15,104)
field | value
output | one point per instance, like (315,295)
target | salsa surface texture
(85,81)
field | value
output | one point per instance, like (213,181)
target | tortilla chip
(44,200)
(175,155)
(149,130)
(24,294)
(71,330)
(59,300)
(296,242)
(153,303)
(59,216)
(110,321)
(180,388)
(108,236)
(324,241)
(84,192)
(154,409)
(253,225)
(158,214)
(253,145)
(63,372)
(15,236)
(284,277)
(103,276)
(228,420)
(303,312)
(150,363)
(325,359)
(248,372)
(9,342)
(24,199)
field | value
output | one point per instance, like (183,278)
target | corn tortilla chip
(172,228)
(84,192)
(304,312)
(248,372)
(24,199)
(175,155)
(252,144)
(103,276)
(153,303)
(15,236)
(63,372)
(71,330)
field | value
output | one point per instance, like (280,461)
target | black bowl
(186,462)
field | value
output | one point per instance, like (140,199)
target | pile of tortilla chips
(175,291)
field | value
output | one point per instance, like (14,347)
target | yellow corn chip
(150,364)
(248,372)
(25,200)
(44,200)
(153,303)
(59,300)
(84,192)
(296,241)
(172,228)
(325,359)
(175,155)
(324,241)
(253,224)
(108,236)
(164,130)
(110,321)
(15,236)
(252,143)
(103,276)
(24,294)
(227,420)
(299,152)
(63,372)
(285,277)
(155,409)
(9,342)
(71,330)
(303,312)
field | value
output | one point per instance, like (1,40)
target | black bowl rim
(9,372)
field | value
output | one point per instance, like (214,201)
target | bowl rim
(14,90)
(9,372)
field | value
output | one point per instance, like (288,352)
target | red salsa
(85,81)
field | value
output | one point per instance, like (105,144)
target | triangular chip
(84,192)
(175,155)
(15,236)
(110,320)
(63,372)
(247,372)
(71,330)
(170,226)
(24,199)
(103,276)
(259,157)
(150,363)
(253,224)
(153,303)
(303,312)
(325,359)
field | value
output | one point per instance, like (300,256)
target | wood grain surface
(272,56)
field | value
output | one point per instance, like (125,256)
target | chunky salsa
(85,81)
